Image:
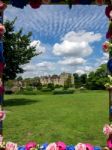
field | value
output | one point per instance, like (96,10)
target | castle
(57,79)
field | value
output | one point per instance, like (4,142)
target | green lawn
(45,118)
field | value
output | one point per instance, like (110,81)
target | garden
(47,118)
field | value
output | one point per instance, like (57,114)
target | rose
(2,115)
(35,3)
(30,145)
(2,6)
(108,10)
(105,46)
(109,142)
(11,146)
(61,145)
(52,146)
(80,146)
(107,130)
(2,30)
(89,146)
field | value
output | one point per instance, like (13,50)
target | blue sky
(70,40)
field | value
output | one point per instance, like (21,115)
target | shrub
(45,89)
(26,92)
(62,91)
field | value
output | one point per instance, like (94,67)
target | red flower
(2,30)
(99,2)
(108,10)
(109,35)
(2,65)
(35,3)
(2,6)
(105,46)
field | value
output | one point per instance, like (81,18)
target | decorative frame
(107,47)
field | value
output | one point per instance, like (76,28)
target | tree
(77,80)
(19,78)
(50,86)
(17,51)
(83,79)
(67,83)
(96,80)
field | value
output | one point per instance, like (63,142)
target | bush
(26,92)
(29,88)
(62,91)
(45,89)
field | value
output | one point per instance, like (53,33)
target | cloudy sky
(70,40)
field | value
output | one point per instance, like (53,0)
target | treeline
(95,80)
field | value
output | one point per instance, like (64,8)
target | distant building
(57,79)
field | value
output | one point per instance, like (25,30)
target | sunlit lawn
(45,118)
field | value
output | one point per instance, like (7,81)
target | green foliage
(68,83)
(83,79)
(17,50)
(50,86)
(77,80)
(46,89)
(97,80)
(63,91)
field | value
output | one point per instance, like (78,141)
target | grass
(73,118)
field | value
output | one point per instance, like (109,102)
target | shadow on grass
(19,102)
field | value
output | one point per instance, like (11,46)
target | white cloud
(104,59)
(38,45)
(29,67)
(80,72)
(42,68)
(76,44)
(45,66)
(82,36)
(72,61)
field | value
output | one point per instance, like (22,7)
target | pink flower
(61,146)
(11,146)
(80,146)
(52,146)
(2,115)
(89,146)
(31,145)
(107,130)
(109,142)
(2,29)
